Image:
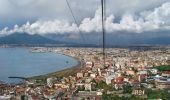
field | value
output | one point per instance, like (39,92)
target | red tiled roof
(118,80)
(166,72)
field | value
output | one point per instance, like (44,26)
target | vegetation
(116,97)
(127,89)
(103,85)
(158,94)
(81,89)
(163,68)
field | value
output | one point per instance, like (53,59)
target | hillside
(23,38)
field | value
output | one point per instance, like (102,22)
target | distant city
(128,73)
(84,50)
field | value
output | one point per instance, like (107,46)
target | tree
(116,97)
(158,94)
(163,68)
(103,85)
(127,89)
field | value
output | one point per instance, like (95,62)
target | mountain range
(65,40)
(23,38)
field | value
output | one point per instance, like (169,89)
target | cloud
(42,27)
(120,7)
(160,15)
(149,20)
(155,20)
(36,9)
(94,24)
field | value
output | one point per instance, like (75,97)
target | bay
(20,62)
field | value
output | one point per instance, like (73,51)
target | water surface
(20,62)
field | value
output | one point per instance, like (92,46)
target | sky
(53,17)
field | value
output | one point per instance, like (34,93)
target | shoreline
(61,73)
(71,70)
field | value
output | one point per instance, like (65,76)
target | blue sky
(53,16)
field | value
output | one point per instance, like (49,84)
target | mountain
(23,38)
(159,40)
(91,40)
(115,39)
(137,39)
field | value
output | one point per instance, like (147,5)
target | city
(127,74)
(84,50)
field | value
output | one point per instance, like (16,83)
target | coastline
(72,70)
(61,73)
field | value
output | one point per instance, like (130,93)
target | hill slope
(23,38)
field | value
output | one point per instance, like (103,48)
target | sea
(21,62)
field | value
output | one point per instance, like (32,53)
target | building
(89,95)
(50,82)
(163,83)
(89,64)
(88,87)
(154,71)
(5,97)
(130,72)
(118,82)
(138,92)
(166,74)
(79,75)
(142,77)
(93,75)
(109,79)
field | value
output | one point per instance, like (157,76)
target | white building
(109,78)
(50,82)
(6,97)
(88,87)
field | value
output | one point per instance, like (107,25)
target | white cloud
(94,24)
(120,7)
(149,20)
(155,20)
(160,15)
(43,27)
(36,9)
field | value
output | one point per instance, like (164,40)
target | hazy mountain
(159,40)
(23,38)
(115,39)
(89,40)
